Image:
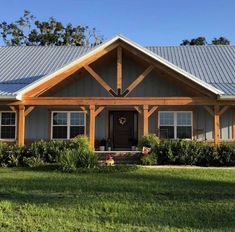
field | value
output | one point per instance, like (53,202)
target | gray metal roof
(21,66)
(213,64)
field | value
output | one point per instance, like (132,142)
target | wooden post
(146,119)
(21,124)
(233,126)
(119,70)
(216,125)
(92,126)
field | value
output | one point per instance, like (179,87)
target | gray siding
(36,126)
(152,86)
(37,123)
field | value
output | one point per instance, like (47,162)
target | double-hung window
(67,125)
(175,124)
(8,125)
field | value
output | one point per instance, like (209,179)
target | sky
(147,22)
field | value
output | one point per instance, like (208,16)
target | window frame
(16,123)
(68,125)
(175,121)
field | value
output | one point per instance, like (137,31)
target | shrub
(48,151)
(149,159)
(151,141)
(68,160)
(11,155)
(187,153)
(33,161)
(80,155)
(226,155)
(206,155)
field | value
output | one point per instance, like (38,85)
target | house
(117,90)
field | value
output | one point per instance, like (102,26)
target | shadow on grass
(181,199)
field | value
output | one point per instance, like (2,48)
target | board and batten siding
(154,85)
(37,123)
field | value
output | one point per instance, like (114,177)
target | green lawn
(147,199)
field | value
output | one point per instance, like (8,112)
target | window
(67,125)
(175,125)
(8,125)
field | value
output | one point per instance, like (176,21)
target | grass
(146,199)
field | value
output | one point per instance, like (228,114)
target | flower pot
(133,148)
(102,148)
(109,148)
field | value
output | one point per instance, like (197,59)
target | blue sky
(148,22)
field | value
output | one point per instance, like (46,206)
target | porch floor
(117,152)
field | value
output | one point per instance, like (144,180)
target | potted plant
(102,145)
(109,144)
(134,143)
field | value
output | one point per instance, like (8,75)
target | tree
(197,41)
(27,31)
(202,41)
(220,41)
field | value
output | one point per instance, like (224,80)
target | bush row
(70,155)
(185,152)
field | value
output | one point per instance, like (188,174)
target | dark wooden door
(123,128)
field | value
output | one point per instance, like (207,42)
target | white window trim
(68,122)
(175,121)
(16,128)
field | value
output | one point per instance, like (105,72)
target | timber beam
(93,113)
(138,80)
(130,101)
(216,125)
(60,76)
(220,111)
(21,124)
(119,70)
(146,114)
(29,110)
(100,80)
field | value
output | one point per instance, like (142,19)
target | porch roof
(21,67)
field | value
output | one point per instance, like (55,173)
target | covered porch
(147,110)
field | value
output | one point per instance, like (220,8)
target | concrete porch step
(120,157)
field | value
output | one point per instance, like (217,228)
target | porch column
(21,124)
(92,126)
(216,125)
(146,120)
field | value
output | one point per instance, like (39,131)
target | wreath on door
(122,120)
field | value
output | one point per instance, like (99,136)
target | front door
(123,129)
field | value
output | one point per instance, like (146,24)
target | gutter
(226,97)
(4,98)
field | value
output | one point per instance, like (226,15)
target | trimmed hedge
(42,152)
(76,153)
(195,153)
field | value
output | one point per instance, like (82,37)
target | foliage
(31,162)
(68,161)
(149,159)
(220,41)
(196,41)
(150,141)
(226,155)
(31,32)
(48,150)
(202,41)
(79,155)
(11,155)
(184,152)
